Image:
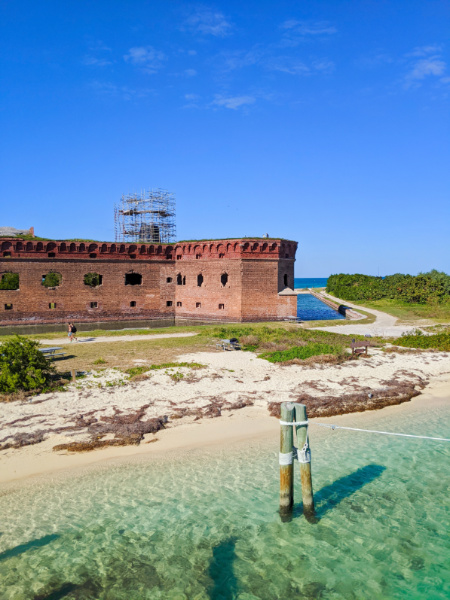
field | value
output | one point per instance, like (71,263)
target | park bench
(52,352)
(232,344)
(360,347)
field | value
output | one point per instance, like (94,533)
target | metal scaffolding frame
(146,217)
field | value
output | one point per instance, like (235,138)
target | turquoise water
(204,525)
(310,282)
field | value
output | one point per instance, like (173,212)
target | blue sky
(326,122)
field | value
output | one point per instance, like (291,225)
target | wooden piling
(304,460)
(74,374)
(286,461)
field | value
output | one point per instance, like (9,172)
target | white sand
(114,338)
(228,376)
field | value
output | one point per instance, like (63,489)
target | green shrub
(302,352)
(92,279)
(52,280)
(9,281)
(424,288)
(439,341)
(23,366)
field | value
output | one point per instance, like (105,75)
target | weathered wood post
(304,460)
(73,374)
(286,460)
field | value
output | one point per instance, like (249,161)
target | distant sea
(310,282)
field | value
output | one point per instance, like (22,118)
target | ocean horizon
(310,282)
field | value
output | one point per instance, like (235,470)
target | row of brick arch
(165,250)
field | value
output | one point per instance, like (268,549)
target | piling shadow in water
(331,495)
(38,543)
(221,571)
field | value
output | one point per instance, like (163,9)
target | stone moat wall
(228,280)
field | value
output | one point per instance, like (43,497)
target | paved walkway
(114,338)
(383,326)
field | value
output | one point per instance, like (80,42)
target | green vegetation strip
(301,352)
(439,341)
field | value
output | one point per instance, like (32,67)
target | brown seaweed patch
(328,406)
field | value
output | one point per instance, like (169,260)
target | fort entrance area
(249,279)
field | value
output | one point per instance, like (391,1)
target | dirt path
(114,338)
(383,326)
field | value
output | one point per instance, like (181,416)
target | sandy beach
(235,387)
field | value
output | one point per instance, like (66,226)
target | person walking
(72,332)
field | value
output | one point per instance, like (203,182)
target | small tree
(92,279)
(9,281)
(23,366)
(52,280)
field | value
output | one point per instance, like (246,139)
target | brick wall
(240,280)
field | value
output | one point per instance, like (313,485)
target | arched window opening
(224,279)
(285,280)
(51,280)
(93,279)
(9,281)
(200,280)
(179,279)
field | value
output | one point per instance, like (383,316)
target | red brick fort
(249,279)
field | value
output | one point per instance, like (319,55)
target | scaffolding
(146,217)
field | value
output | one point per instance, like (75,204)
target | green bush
(23,366)
(9,281)
(302,352)
(92,279)
(424,288)
(438,341)
(52,280)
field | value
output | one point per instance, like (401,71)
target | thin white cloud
(427,66)
(307,28)
(93,61)
(190,72)
(425,62)
(207,21)
(145,57)
(425,50)
(233,102)
(106,88)
(287,64)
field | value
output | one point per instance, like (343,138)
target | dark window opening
(198,305)
(8,306)
(199,280)
(221,255)
(169,303)
(94,304)
(51,255)
(179,257)
(92,255)
(221,306)
(179,279)
(198,256)
(184,280)
(179,304)
(133,303)
(6,254)
(285,280)
(224,279)
(133,279)
(52,305)
(169,280)
(132,255)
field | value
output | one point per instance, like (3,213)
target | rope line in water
(409,435)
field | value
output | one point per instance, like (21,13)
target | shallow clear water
(309,308)
(204,525)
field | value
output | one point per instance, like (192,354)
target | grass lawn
(410,313)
